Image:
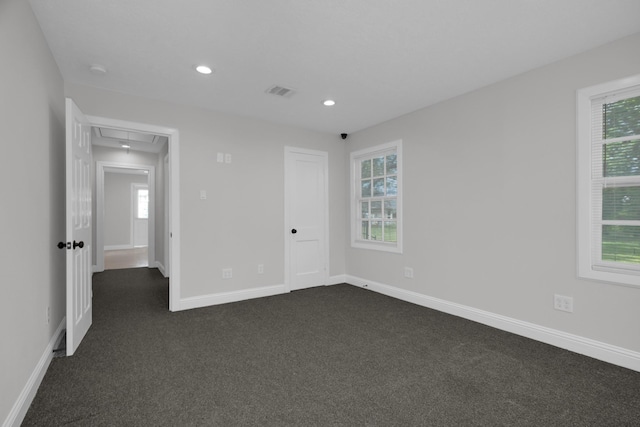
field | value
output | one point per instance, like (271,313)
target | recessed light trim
(328,102)
(125,145)
(203,69)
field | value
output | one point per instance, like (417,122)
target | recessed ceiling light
(125,145)
(98,69)
(203,69)
(329,102)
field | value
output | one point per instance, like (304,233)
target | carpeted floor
(326,356)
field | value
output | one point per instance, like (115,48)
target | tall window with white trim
(609,181)
(376,195)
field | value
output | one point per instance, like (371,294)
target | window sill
(384,247)
(602,274)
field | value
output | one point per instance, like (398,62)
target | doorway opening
(123,146)
(126,216)
(120,234)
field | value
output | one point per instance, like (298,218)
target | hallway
(126,258)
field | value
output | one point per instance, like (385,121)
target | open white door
(306,213)
(78,182)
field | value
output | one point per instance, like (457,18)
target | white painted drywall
(118,209)
(33,207)
(490,196)
(240,223)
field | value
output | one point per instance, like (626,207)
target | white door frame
(288,192)
(101,168)
(166,171)
(173,136)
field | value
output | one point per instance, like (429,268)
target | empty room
(344,212)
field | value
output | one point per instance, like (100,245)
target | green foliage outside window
(621,243)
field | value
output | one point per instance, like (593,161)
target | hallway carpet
(336,355)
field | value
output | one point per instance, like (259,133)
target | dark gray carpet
(332,356)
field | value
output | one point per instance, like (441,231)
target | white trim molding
(115,248)
(336,280)
(575,343)
(162,269)
(28,393)
(234,296)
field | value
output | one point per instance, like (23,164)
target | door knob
(62,245)
(294,231)
(79,244)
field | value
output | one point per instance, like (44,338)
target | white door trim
(166,271)
(288,191)
(173,136)
(151,182)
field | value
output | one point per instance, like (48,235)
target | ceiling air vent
(282,91)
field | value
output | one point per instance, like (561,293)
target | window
(609,182)
(142,203)
(376,198)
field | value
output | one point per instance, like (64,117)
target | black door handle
(79,244)
(62,245)
(294,231)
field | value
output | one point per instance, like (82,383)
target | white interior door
(306,222)
(78,215)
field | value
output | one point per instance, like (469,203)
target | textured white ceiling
(378,59)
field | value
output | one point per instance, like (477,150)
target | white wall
(490,196)
(32,212)
(240,224)
(117,207)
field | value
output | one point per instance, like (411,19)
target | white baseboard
(117,247)
(160,267)
(21,406)
(586,346)
(227,297)
(336,280)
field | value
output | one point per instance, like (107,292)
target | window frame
(355,158)
(135,197)
(587,179)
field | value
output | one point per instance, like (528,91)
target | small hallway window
(142,203)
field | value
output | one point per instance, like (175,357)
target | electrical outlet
(220,157)
(227,158)
(408,272)
(227,273)
(203,194)
(563,303)
(260,268)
